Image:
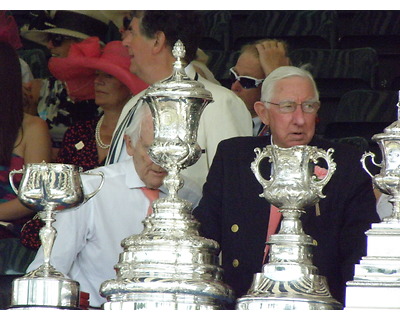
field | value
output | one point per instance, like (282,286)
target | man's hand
(272,55)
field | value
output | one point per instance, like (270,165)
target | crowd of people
(89,113)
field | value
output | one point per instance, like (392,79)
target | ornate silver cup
(376,281)
(289,281)
(169,266)
(388,179)
(47,188)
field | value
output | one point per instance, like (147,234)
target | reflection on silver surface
(48,187)
(289,281)
(169,266)
(376,283)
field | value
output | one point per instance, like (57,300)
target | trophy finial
(179,51)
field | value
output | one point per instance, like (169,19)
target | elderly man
(150,39)
(232,213)
(89,237)
(256,61)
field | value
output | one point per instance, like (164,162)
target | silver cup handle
(255,166)
(365,156)
(11,178)
(327,156)
(90,195)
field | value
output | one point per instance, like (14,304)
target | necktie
(151,194)
(274,219)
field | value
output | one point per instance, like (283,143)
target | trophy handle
(327,156)
(90,195)
(11,179)
(365,156)
(255,167)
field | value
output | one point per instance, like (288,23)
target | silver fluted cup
(48,188)
(290,281)
(169,266)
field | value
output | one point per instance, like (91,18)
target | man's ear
(160,41)
(129,148)
(262,112)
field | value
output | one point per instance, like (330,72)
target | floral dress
(60,112)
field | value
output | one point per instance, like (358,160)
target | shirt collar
(132,179)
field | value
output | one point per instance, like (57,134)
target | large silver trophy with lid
(169,266)
(289,281)
(376,281)
(48,188)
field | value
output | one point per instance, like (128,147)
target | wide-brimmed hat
(85,57)
(76,24)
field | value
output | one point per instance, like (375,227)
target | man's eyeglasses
(290,106)
(245,82)
(58,39)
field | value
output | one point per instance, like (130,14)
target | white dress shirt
(89,237)
(225,117)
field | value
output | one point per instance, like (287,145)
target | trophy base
(376,283)
(293,289)
(44,292)
(275,302)
(162,301)
(372,295)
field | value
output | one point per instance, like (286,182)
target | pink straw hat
(85,57)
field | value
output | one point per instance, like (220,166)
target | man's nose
(236,87)
(298,115)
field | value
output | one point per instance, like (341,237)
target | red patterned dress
(79,146)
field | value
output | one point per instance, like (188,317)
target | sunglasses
(58,39)
(126,22)
(245,82)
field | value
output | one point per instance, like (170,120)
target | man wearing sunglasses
(255,62)
(232,213)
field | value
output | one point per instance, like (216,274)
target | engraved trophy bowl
(388,179)
(47,188)
(289,281)
(169,266)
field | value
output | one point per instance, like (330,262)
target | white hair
(268,86)
(142,114)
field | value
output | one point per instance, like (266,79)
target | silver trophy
(169,266)
(376,281)
(289,281)
(48,188)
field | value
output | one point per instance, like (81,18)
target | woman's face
(109,91)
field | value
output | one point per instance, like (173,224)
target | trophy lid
(391,132)
(179,84)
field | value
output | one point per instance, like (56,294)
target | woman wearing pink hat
(106,72)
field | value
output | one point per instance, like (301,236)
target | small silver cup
(47,188)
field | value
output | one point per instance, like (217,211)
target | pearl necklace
(99,142)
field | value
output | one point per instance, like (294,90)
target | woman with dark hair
(23,139)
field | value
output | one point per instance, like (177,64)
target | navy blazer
(232,213)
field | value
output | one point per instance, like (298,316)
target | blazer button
(235,263)
(235,228)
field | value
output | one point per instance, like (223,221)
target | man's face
(151,174)
(248,65)
(140,50)
(289,129)
(109,91)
